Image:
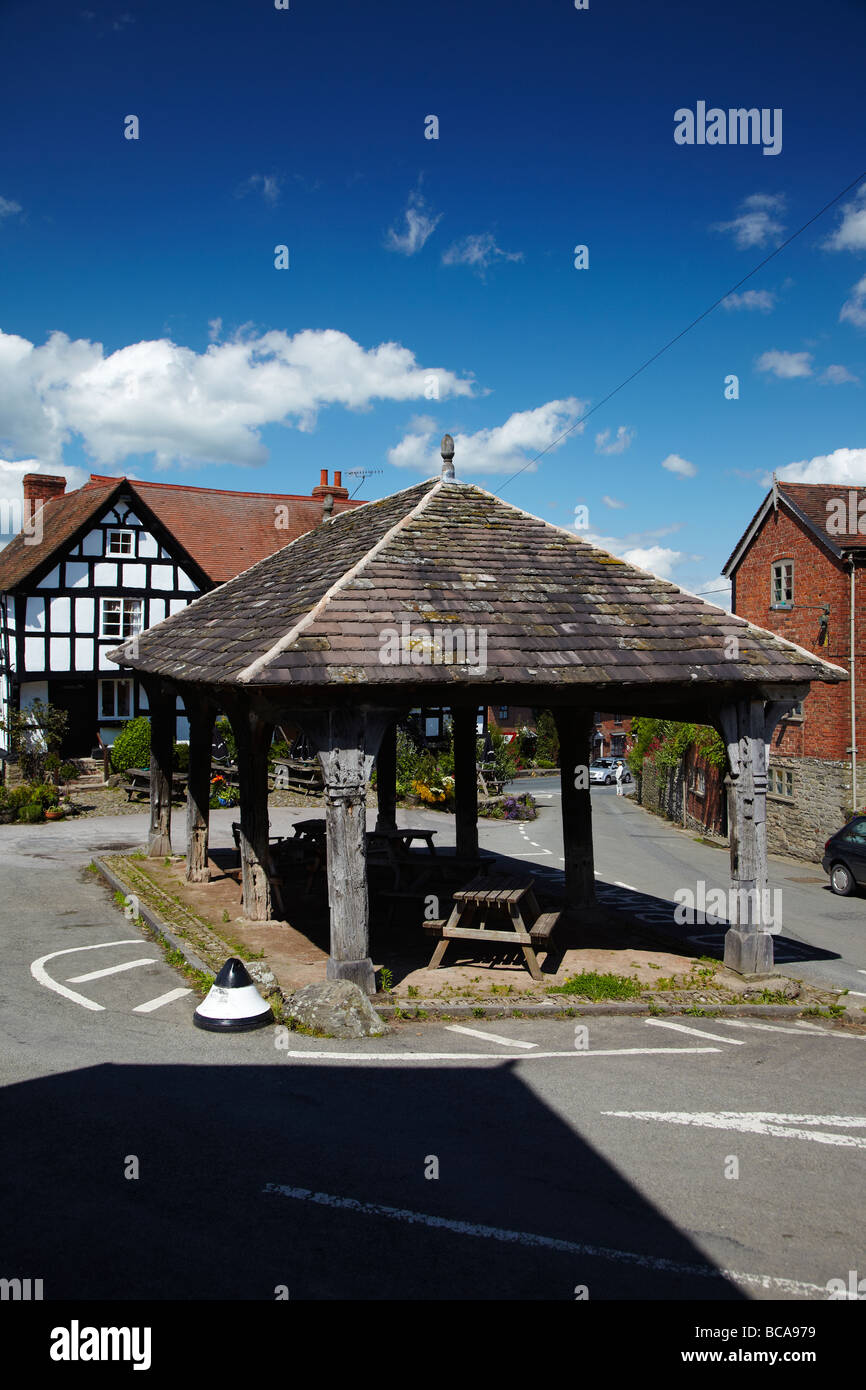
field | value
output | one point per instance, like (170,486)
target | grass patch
(771,996)
(590,985)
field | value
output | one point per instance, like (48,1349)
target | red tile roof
(222,532)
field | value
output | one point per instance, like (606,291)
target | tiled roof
(223,532)
(814,504)
(814,501)
(553,609)
(61,518)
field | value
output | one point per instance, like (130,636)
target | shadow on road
(197,1223)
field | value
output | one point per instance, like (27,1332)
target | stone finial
(447,451)
(328,507)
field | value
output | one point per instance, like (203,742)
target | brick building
(612,736)
(798,571)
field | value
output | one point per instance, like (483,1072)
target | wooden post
(465,782)
(747,727)
(346,742)
(253,736)
(201,715)
(575,727)
(386,780)
(161,707)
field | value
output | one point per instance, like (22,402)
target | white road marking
(827,1032)
(698,1032)
(629,886)
(766,1027)
(160,1000)
(111,970)
(400,1057)
(527,1238)
(492,1037)
(40,974)
(759,1122)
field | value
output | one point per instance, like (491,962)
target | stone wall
(820,804)
(661,789)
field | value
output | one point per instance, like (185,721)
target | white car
(604,770)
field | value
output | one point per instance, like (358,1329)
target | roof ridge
(312,614)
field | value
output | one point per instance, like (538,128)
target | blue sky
(146,330)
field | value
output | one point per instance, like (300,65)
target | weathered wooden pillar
(747,726)
(346,742)
(253,736)
(386,780)
(575,728)
(201,714)
(162,705)
(465,782)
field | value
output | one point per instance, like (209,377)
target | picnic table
(312,829)
(297,774)
(510,904)
(138,783)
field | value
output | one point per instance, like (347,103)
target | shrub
(227,734)
(547,746)
(68,772)
(31,813)
(180,757)
(131,748)
(35,734)
(43,794)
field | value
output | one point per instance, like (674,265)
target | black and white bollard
(233,1004)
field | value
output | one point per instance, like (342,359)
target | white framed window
(782,586)
(120,542)
(115,699)
(120,617)
(781,782)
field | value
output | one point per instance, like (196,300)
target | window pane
(107,692)
(123,694)
(111,609)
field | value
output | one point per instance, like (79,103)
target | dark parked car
(845,857)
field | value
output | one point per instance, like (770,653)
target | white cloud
(764,300)
(854,308)
(757,221)
(502,449)
(836,375)
(183,406)
(624,438)
(420,226)
(8,208)
(479,252)
(658,559)
(613,502)
(269,185)
(13,471)
(674,464)
(850,235)
(843,466)
(785,364)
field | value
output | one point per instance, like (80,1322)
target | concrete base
(360,972)
(748,952)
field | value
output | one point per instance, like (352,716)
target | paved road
(307,1166)
(641,861)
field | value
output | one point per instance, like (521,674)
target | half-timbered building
(95,567)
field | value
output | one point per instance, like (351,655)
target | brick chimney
(39,488)
(336,489)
